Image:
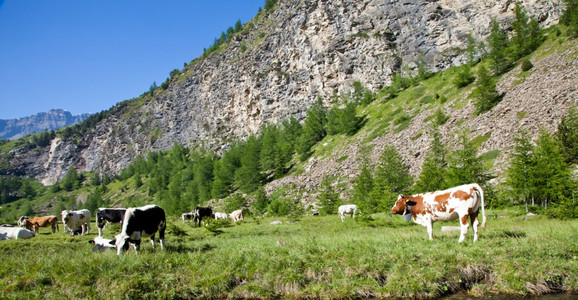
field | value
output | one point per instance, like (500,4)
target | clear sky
(86,56)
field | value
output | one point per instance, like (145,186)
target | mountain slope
(276,67)
(51,120)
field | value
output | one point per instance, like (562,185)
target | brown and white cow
(458,202)
(37,222)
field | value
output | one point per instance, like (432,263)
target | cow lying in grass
(101,244)
(14,233)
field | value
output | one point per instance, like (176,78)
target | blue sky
(85,56)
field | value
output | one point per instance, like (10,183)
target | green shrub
(526,65)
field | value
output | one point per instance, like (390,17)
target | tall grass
(314,257)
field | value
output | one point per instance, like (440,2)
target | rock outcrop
(276,67)
(54,119)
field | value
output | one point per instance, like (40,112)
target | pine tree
(485,92)
(224,172)
(261,202)
(268,152)
(248,176)
(499,43)
(567,134)
(313,129)
(570,17)
(328,198)
(521,165)
(527,35)
(434,166)
(363,186)
(551,176)
(465,166)
(464,77)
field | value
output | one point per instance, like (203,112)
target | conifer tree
(328,198)
(498,54)
(465,166)
(521,168)
(485,92)
(567,134)
(434,166)
(313,129)
(248,176)
(261,202)
(363,186)
(552,177)
(392,177)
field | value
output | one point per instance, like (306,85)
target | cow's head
(21,220)
(402,205)
(122,243)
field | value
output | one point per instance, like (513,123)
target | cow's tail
(481,193)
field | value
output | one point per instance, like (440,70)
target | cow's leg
(99,231)
(474,222)
(464,225)
(136,245)
(429,227)
(153,241)
(342,217)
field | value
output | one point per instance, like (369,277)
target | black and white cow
(108,215)
(187,216)
(201,212)
(141,222)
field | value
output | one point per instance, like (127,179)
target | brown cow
(35,223)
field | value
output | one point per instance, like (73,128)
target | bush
(464,77)
(526,65)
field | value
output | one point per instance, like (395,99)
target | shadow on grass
(182,248)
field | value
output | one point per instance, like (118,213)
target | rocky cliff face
(56,118)
(276,67)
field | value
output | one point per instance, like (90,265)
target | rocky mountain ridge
(277,66)
(12,129)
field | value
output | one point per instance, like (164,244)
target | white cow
(14,233)
(236,215)
(73,219)
(220,215)
(347,209)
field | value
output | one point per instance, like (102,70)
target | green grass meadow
(315,257)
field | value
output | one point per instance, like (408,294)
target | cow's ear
(112,242)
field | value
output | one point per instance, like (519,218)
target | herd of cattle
(459,202)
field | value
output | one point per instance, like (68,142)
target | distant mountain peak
(51,120)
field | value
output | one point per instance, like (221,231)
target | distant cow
(36,222)
(187,216)
(347,209)
(14,233)
(108,215)
(220,215)
(73,219)
(201,212)
(236,215)
(140,222)
(101,244)
(462,201)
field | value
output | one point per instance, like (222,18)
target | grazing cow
(14,233)
(101,244)
(347,209)
(141,222)
(37,222)
(236,215)
(108,215)
(73,219)
(201,212)
(220,215)
(187,216)
(446,205)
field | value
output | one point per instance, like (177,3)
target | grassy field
(314,257)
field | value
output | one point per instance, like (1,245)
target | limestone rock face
(276,67)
